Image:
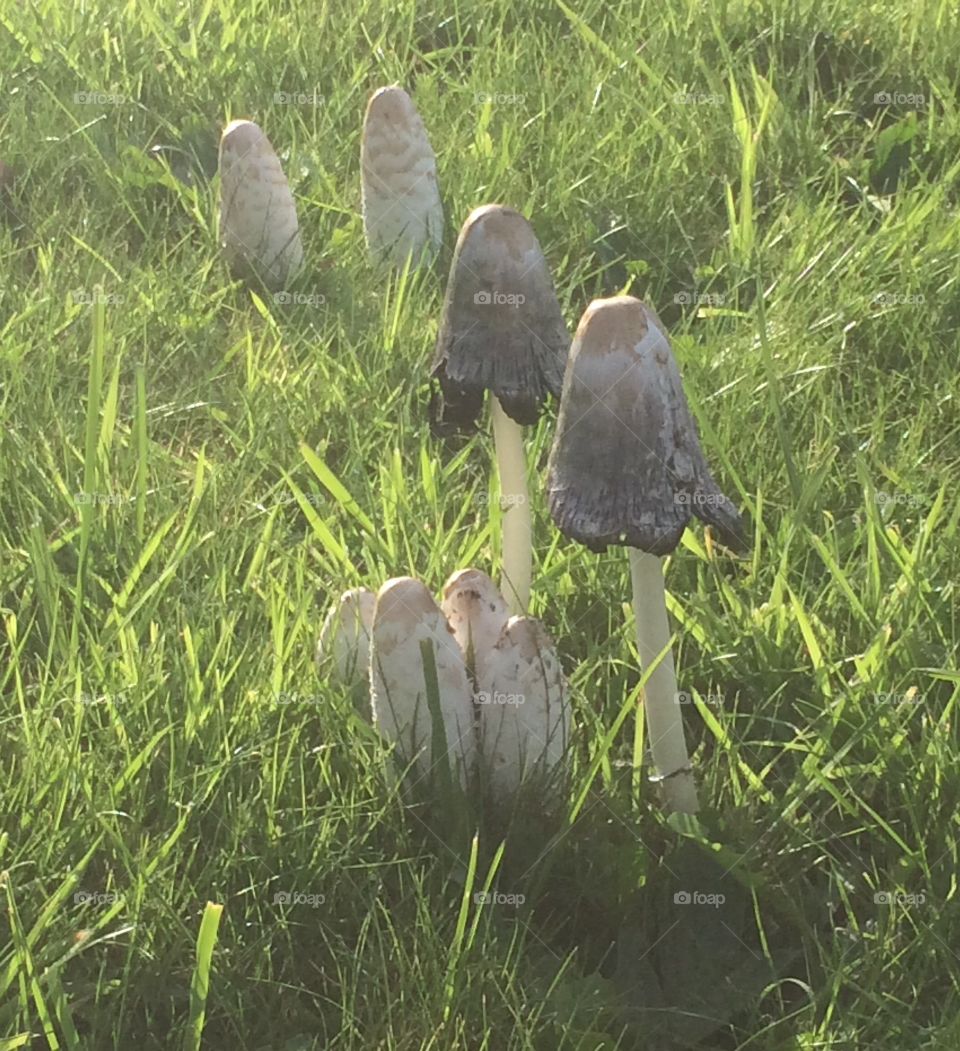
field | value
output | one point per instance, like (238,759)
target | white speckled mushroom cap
(259,232)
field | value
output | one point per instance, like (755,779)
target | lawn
(190,473)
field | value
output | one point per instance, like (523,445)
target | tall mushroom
(502,331)
(405,617)
(259,233)
(626,468)
(402,213)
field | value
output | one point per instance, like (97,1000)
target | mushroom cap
(259,232)
(502,329)
(406,615)
(476,613)
(402,212)
(626,467)
(524,711)
(345,636)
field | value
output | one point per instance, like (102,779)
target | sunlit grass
(189,473)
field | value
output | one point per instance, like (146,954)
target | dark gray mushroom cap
(502,329)
(626,467)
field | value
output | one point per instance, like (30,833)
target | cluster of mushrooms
(626,467)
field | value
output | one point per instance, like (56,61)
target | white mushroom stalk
(344,642)
(626,468)
(502,331)
(402,212)
(405,617)
(516,523)
(259,232)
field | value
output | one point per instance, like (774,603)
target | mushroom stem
(516,529)
(661,702)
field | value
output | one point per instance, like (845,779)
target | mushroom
(524,712)
(626,468)
(259,233)
(405,617)
(476,613)
(344,639)
(402,213)
(502,331)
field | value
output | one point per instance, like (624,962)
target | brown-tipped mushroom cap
(626,465)
(259,232)
(476,613)
(402,213)
(502,329)
(406,616)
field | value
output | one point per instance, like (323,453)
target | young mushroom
(502,331)
(476,613)
(344,640)
(517,679)
(406,616)
(626,468)
(524,712)
(402,213)
(259,232)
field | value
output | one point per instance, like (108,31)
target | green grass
(164,739)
